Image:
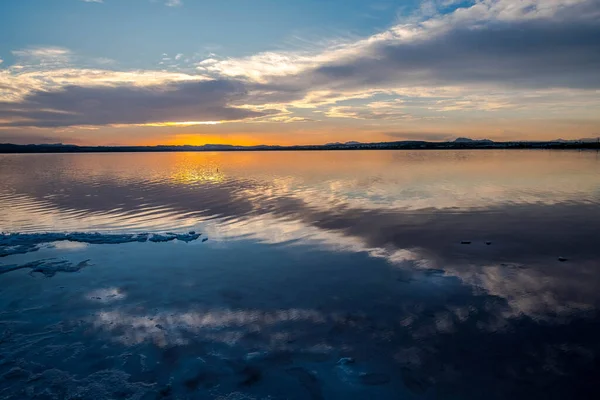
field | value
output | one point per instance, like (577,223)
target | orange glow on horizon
(202,139)
(246,139)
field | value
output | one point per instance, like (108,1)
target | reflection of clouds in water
(68,245)
(543,292)
(442,308)
(531,289)
(270,229)
(127,196)
(166,328)
(386,195)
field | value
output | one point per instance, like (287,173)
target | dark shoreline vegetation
(465,144)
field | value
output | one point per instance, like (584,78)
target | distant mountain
(469,140)
(582,140)
(351,143)
(458,144)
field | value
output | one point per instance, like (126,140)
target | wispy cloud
(43,56)
(93,1)
(174,3)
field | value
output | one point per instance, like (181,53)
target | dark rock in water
(20,243)
(165,392)
(173,355)
(9,250)
(434,271)
(374,379)
(156,238)
(308,380)
(206,379)
(15,373)
(99,238)
(413,382)
(84,263)
(465,242)
(488,243)
(204,240)
(562,259)
(47,267)
(187,238)
(346,361)
(404,279)
(192,232)
(251,375)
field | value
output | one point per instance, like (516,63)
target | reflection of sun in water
(196,168)
(198,175)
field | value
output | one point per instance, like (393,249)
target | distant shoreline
(7,148)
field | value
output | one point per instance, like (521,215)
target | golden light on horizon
(182,123)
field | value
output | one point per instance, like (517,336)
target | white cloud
(93,1)
(17,82)
(467,46)
(43,56)
(173,3)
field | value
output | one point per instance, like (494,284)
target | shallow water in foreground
(309,275)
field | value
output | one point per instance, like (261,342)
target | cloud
(497,49)
(528,43)
(32,138)
(17,82)
(487,56)
(93,1)
(43,57)
(377,110)
(173,3)
(128,104)
(501,56)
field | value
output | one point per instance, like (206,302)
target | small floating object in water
(204,240)
(465,242)
(192,232)
(562,259)
(488,242)
(345,361)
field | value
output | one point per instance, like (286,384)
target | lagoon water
(316,275)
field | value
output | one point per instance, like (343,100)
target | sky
(147,72)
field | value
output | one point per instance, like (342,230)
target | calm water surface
(326,275)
